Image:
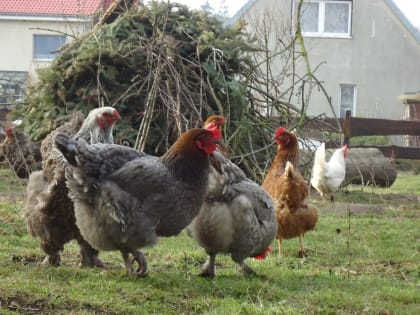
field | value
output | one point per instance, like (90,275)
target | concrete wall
(382,58)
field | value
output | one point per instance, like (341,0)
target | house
(31,34)
(368,52)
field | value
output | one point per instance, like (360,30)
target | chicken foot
(301,253)
(138,257)
(89,255)
(52,260)
(246,270)
(53,253)
(209,267)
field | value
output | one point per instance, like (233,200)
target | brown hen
(19,153)
(289,191)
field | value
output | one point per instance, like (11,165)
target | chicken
(48,211)
(22,155)
(287,151)
(328,176)
(124,200)
(294,217)
(237,216)
(289,191)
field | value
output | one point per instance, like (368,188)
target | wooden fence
(353,126)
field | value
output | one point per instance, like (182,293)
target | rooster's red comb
(214,129)
(8,129)
(279,131)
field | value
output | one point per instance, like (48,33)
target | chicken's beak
(217,141)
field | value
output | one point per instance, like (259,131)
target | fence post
(347,127)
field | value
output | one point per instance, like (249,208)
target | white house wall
(382,58)
(16,37)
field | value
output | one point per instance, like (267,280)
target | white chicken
(328,176)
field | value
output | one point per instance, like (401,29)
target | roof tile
(51,7)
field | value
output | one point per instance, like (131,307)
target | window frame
(353,106)
(36,56)
(321,19)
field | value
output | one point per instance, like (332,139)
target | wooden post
(347,127)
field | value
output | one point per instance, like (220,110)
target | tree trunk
(369,167)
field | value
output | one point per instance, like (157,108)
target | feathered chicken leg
(247,270)
(53,253)
(89,255)
(138,256)
(53,260)
(209,267)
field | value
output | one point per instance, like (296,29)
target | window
(46,46)
(347,99)
(326,18)
(12,84)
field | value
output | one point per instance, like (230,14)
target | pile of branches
(166,69)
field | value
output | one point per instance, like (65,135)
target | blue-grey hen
(124,200)
(237,216)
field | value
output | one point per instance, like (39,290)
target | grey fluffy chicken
(237,216)
(124,200)
(18,152)
(48,211)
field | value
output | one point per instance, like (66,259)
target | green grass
(9,182)
(370,140)
(357,264)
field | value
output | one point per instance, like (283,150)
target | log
(369,166)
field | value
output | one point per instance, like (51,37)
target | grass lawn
(357,263)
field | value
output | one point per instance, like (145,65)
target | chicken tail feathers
(320,154)
(68,147)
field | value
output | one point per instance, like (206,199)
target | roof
(404,20)
(239,14)
(410,97)
(391,4)
(52,7)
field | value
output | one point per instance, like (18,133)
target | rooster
(289,191)
(48,211)
(237,216)
(124,200)
(328,176)
(22,155)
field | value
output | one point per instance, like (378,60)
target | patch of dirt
(22,305)
(389,269)
(355,208)
(30,305)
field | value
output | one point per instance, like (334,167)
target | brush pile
(166,69)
